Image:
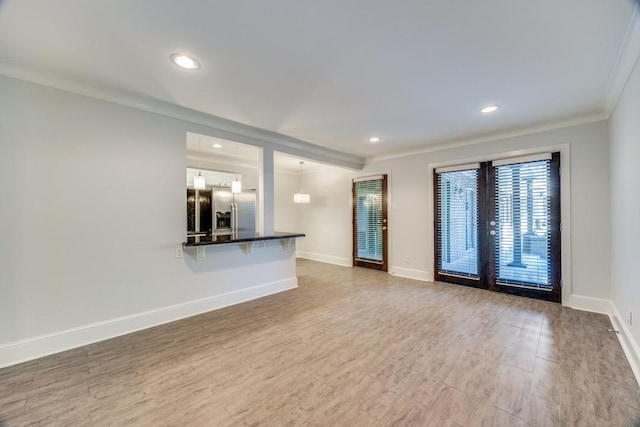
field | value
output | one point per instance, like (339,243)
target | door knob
(384,228)
(492,232)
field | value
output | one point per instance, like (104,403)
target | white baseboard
(44,345)
(596,305)
(329,259)
(628,343)
(410,273)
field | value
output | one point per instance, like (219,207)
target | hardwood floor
(348,347)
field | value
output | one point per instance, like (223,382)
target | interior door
(370,225)
(497,225)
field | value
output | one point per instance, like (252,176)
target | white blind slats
(368,199)
(523,227)
(367,178)
(458,219)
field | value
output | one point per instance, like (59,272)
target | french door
(370,222)
(497,225)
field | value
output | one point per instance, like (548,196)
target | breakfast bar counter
(226,238)
(246,240)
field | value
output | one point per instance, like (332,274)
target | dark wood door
(370,225)
(497,226)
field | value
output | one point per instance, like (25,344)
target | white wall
(327,219)
(93,208)
(285,211)
(411,224)
(625,209)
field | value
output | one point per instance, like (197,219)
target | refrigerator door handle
(234,217)
(234,223)
(237,217)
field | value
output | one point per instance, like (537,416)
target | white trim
(371,173)
(627,342)
(410,273)
(521,159)
(328,259)
(368,178)
(44,345)
(457,168)
(217,126)
(628,56)
(594,305)
(565,219)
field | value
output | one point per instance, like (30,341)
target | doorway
(370,227)
(498,226)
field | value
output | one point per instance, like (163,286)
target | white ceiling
(238,154)
(223,150)
(333,73)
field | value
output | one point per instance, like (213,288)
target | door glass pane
(369,219)
(523,212)
(458,219)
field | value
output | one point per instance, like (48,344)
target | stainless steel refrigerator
(234,213)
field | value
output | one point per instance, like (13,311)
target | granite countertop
(216,239)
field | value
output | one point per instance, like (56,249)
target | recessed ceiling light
(375,139)
(216,145)
(185,61)
(489,109)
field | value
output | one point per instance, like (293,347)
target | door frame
(356,262)
(565,201)
(486,244)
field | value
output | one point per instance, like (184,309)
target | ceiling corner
(627,59)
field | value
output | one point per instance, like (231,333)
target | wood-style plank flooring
(348,347)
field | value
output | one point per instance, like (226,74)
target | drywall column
(266,217)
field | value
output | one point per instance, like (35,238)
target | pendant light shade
(301,197)
(199,182)
(236,186)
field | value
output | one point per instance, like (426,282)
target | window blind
(523,224)
(369,220)
(457,217)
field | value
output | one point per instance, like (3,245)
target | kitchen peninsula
(205,240)
(246,239)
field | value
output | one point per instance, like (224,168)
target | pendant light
(199,182)
(301,197)
(236,184)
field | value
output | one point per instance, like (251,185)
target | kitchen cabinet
(212,178)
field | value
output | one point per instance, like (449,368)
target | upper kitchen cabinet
(212,178)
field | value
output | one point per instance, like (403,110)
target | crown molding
(628,57)
(544,127)
(218,126)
